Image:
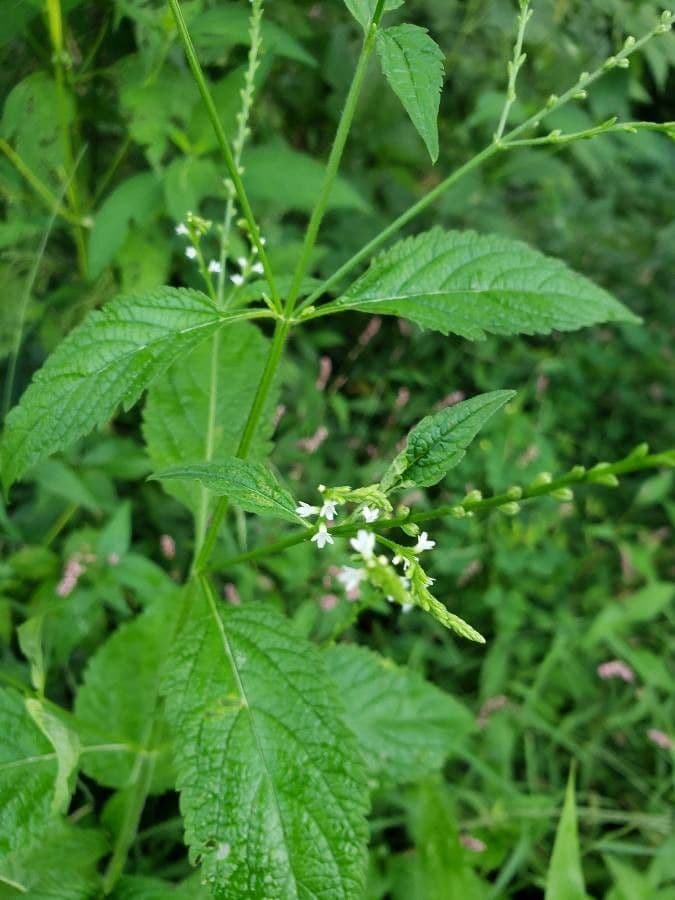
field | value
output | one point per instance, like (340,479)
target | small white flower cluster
(327,513)
(247,267)
(193,229)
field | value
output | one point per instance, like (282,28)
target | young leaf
(405,726)
(117,701)
(468,284)
(110,358)
(412,63)
(180,405)
(66,745)
(363,10)
(439,442)
(272,791)
(248,484)
(565,880)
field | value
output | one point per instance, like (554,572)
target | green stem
(514,66)
(334,159)
(55,18)
(576,476)
(367,251)
(38,186)
(139,789)
(554,103)
(232,168)
(281,332)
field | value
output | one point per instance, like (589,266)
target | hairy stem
(514,66)
(281,332)
(576,91)
(576,476)
(334,159)
(224,144)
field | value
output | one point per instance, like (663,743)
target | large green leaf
(28,773)
(219,380)
(110,358)
(405,726)
(468,284)
(250,485)
(439,442)
(565,879)
(117,704)
(60,865)
(412,63)
(363,10)
(273,791)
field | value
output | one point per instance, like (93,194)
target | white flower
(304,510)
(350,578)
(191,252)
(329,510)
(423,543)
(406,607)
(364,543)
(322,537)
(370,515)
(258,268)
(242,262)
(214,266)
(182,229)
(237,280)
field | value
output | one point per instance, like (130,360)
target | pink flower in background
(325,368)
(232,594)
(615,668)
(328,602)
(370,331)
(491,705)
(72,572)
(451,399)
(402,397)
(279,413)
(472,843)
(661,739)
(168,546)
(312,444)
(113,559)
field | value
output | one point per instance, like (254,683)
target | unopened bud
(515,492)
(510,509)
(564,494)
(474,496)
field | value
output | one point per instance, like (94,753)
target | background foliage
(107,124)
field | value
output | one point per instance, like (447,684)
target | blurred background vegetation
(105,147)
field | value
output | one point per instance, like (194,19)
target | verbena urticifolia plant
(274,742)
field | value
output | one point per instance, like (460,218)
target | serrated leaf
(248,484)
(177,409)
(108,360)
(363,10)
(564,879)
(60,865)
(439,442)
(117,700)
(405,726)
(412,63)
(66,745)
(273,792)
(463,283)
(28,771)
(140,887)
